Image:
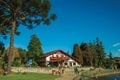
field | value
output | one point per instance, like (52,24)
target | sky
(77,21)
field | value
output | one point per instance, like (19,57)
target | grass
(29,76)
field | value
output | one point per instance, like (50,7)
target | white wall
(70,62)
(55,55)
(48,58)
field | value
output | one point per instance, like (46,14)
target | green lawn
(29,76)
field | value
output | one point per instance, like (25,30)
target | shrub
(1,71)
(34,64)
(17,62)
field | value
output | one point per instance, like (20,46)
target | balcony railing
(58,58)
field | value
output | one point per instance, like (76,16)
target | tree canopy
(87,56)
(100,52)
(34,48)
(91,54)
(2,48)
(24,12)
(22,54)
(97,50)
(77,53)
(29,13)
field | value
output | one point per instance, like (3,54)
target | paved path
(68,76)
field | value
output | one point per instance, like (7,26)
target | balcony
(58,58)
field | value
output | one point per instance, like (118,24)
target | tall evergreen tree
(34,48)
(100,53)
(87,56)
(26,12)
(110,60)
(97,50)
(92,47)
(77,53)
(110,55)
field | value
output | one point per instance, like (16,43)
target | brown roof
(53,52)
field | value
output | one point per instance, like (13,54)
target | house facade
(58,58)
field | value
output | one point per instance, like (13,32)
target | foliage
(1,72)
(16,57)
(34,64)
(77,53)
(22,54)
(86,54)
(91,54)
(110,55)
(99,55)
(34,48)
(15,53)
(5,58)
(2,48)
(92,47)
(29,76)
(110,60)
(22,12)
(25,12)
(17,62)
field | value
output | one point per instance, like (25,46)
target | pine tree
(34,48)
(92,47)
(29,13)
(77,53)
(87,56)
(110,60)
(100,53)
(110,55)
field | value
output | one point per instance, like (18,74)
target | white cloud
(116,44)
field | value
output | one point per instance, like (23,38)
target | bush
(1,71)
(34,64)
(17,63)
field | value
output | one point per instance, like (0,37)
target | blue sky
(77,21)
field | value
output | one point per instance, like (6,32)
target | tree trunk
(11,49)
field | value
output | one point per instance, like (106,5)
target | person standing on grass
(76,70)
(29,63)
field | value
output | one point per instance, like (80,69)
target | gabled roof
(53,52)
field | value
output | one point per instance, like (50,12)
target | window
(66,63)
(74,63)
(57,56)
